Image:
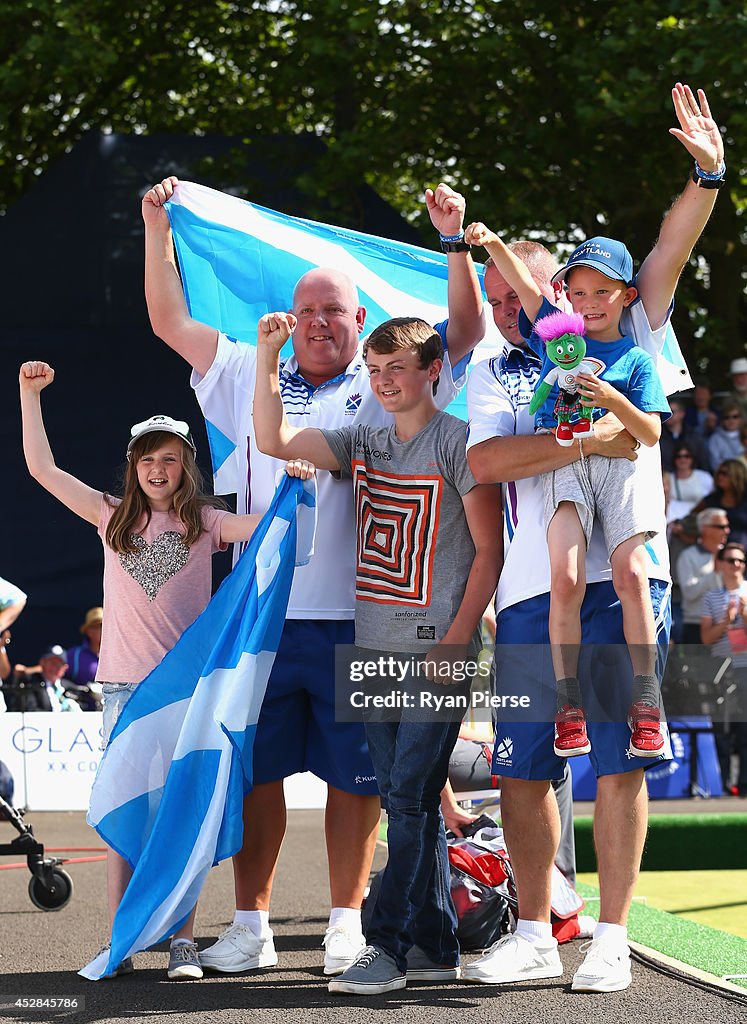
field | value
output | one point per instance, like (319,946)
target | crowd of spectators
(62,680)
(704,464)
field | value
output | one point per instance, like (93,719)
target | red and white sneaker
(564,434)
(583,428)
(645,725)
(570,732)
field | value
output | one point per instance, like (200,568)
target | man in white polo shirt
(502,447)
(324,384)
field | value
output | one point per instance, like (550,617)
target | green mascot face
(566,351)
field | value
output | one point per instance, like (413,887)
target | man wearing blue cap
(503,446)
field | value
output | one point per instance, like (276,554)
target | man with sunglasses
(696,569)
(725,442)
(724,627)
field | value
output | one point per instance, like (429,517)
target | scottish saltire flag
(169,792)
(239,261)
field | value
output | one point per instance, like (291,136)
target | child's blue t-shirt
(621,363)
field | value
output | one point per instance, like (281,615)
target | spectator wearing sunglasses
(724,628)
(696,570)
(726,442)
(686,485)
(730,494)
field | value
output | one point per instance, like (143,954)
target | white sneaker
(513,958)
(239,949)
(341,947)
(606,967)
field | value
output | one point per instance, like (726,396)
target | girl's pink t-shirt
(152,595)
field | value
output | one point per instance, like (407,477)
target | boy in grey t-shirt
(407,494)
(428,558)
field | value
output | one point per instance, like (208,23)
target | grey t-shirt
(414,549)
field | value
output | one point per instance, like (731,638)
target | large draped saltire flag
(239,261)
(169,792)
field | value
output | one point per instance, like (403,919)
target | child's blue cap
(606,255)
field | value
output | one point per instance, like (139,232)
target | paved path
(39,954)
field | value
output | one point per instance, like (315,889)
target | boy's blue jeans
(414,907)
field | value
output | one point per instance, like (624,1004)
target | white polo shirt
(498,396)
(324,588)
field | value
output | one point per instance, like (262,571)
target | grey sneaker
(184,963)
(372,972)
(421,968)
(126,967)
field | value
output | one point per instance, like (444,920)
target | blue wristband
(452,238)
(711,175)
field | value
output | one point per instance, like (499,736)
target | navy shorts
(297,729)
(524,739)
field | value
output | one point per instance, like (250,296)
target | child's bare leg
(187,930)
(118,875)
(567,546)
(630,580)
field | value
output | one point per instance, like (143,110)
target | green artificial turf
(716,952)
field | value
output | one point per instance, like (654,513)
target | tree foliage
(552,118)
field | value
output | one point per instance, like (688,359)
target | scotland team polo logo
(504,751)
(352,405)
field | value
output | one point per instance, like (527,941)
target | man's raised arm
(167,308)
(466,317)
(684,223)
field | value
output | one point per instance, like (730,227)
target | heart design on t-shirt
(154,564)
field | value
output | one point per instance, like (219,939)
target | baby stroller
(50,886)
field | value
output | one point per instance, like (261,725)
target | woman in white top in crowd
(686,485)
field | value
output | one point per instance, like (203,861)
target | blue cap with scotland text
(606,255)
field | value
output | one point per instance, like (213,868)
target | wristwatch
(458,246)
(707,182)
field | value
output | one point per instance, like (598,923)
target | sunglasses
(718,526)
(733,416)
(733,561)
(683,455)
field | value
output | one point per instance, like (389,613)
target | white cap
(165,423)
(738,366)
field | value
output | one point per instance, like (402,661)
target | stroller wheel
(54,896)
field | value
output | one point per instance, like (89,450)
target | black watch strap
(460,246)
(707,182)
